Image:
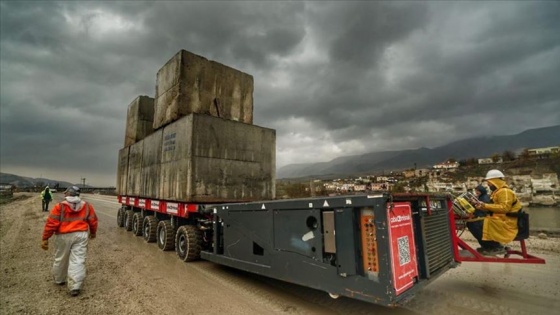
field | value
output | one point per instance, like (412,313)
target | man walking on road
(70,220)
(46,197)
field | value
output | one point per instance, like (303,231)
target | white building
(447,165)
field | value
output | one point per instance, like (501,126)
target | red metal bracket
(467,253)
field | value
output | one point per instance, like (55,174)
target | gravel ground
(128,276)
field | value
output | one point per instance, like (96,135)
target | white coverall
(70,255)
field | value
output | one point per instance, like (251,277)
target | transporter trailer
(196,176)
(379,248)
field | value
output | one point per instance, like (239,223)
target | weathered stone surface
(151,165)
(139,120)
(122,171)
(189,83)
(547,182)
(134,176)
(203,158)
(208,159)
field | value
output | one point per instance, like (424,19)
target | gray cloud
(333,78)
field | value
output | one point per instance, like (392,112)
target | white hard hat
(494,174)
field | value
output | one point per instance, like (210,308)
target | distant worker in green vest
(499,226)
(46,197)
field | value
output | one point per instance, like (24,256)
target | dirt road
(128,276)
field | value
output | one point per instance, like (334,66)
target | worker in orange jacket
(70,220)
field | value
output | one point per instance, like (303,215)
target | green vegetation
(398,187)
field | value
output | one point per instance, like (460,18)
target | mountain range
(24,182)
(374,162)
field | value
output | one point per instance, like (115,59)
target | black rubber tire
(128,219)
(150,229)
(165,235)
(137,227)
(188,242)
(120,217)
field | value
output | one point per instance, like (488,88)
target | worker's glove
(45,244)
(91,236)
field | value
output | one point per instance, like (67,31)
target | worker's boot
(493,251)
(74,292)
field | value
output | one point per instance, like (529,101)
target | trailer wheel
(150,229)
(120,217)
(128,219)
(137,224)
(165,235)
(188,242)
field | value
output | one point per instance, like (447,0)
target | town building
(447,165)
(543,152)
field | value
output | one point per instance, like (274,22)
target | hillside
(512,168)
(26,182)
(424,157)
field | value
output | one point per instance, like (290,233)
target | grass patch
(9,199)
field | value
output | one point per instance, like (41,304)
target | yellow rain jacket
(499,227)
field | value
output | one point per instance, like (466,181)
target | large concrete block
(151,165)
(176,158)
(209,159)
(122,171)
(189,83)
(134,176)
(139,120)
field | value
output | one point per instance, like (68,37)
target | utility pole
(83,179)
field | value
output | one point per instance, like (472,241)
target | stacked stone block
(202,146)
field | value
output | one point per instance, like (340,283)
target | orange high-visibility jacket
(63,220)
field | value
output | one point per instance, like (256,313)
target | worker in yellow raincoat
(498,227)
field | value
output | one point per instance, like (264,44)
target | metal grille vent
(438,241)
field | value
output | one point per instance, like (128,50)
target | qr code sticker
(404,250)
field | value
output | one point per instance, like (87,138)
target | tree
(524,155)
(508,155)
(398,187)
(297,190)
(321,191)
(496,157)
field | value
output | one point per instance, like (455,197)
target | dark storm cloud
(70,69)
(472,68)
(505,66)
(333,78)
(241,33)
(353,38)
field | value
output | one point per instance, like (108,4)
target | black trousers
(46,205)
(476,231)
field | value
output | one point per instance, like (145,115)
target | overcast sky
(333,78)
